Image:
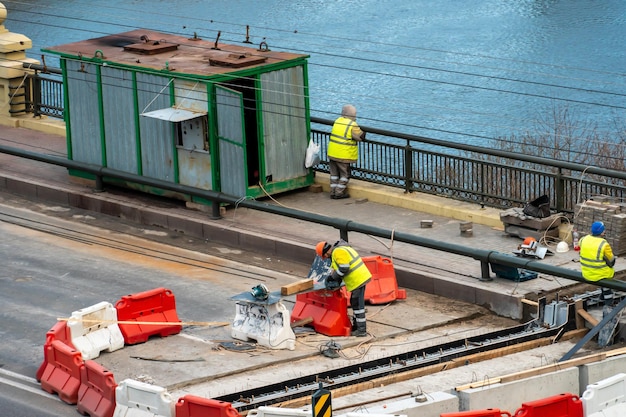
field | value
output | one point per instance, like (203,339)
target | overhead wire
(392,75)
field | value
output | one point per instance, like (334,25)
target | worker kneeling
(348,267)
(597,259)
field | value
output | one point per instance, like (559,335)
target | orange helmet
(321,248)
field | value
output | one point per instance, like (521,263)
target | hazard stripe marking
(322,407)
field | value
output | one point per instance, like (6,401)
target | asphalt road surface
(58,260)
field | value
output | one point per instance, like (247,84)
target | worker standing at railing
(343,150)
(597,259)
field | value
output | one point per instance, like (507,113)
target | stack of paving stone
(607,210)
(517,223)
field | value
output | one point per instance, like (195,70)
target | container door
(231,139)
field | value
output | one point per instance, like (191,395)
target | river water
(460,70)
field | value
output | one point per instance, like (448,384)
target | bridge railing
(481,175)
(490,177)
(41,93)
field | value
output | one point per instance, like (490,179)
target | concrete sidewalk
(292,240)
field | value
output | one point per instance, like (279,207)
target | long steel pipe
(343,225)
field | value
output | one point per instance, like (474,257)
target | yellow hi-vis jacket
(341,145)
(595,257)
(349,266)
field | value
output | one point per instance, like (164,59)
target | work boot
(340,196)
(359,333)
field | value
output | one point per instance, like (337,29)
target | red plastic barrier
(192,406)
(60,332)
(96,395)
(562,405)
(328,310)
(61,374)
(157,305)
(383,288)
(489,412)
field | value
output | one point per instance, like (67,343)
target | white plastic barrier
(371,415)
(268,324)
(606,398)
(279,412)
(138,399)
(94,329)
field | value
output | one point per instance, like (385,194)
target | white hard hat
(562,247)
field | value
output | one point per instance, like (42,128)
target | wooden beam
(578,306)
(302,322)
(588,317)
(296,287)
(530,302)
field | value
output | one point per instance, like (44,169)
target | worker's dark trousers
(607,296)
(357,302)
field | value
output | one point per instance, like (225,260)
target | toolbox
(512,273)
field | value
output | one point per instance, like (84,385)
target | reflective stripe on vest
(592,264)
(341,145)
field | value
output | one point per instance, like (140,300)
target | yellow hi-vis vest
(357,273)
(592,263)
(341,145)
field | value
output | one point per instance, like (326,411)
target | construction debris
(516,223)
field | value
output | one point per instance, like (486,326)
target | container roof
(155,50)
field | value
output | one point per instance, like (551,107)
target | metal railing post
(408,167)
(36,96)
(560,190)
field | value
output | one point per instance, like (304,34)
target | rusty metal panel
(118,107)
(82,87)
(284,123)
(157,147)
(195,169)
(194,57)
(191,95)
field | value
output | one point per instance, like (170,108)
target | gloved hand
(332,283)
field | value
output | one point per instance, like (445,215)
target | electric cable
(213,21)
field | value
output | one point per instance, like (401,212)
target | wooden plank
(580,322)
(302,322)
(588,317)
(296,287)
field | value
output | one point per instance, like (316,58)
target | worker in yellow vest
(348,267)
(343,150)
(597,259)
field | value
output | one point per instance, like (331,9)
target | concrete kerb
(223,233)
(42,124)
(427,203)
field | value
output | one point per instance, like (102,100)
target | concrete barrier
(264,411)
(510,395)
(423,405)
(594,372)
